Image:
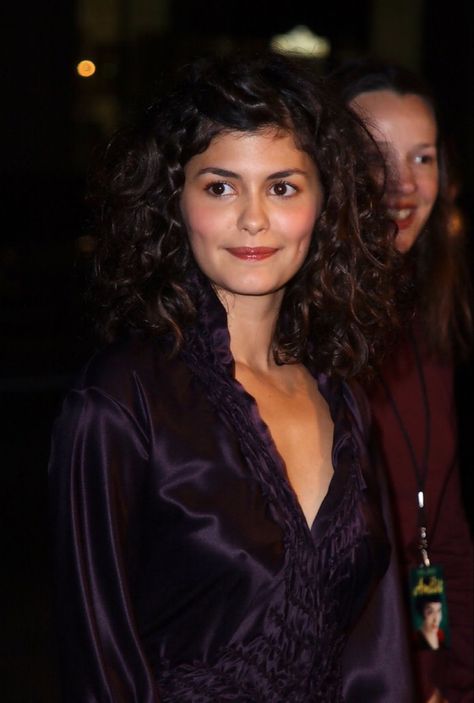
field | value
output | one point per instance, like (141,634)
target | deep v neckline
(298,430)
(215,346)
(311,529)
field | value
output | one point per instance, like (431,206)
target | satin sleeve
(98,471)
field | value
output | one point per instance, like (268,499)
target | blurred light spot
(301,40)
(86,244)
(85,68)
(455,223)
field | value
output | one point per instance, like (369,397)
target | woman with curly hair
(217,530)
(412,397)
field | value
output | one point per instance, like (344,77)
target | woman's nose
(401,178)
(253,216)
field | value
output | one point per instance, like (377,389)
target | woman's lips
(403,216)
(252,253)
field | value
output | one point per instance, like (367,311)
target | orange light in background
(85,68)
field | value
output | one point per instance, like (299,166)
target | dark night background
(52,121)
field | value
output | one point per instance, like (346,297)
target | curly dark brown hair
(439,256)
(339,308)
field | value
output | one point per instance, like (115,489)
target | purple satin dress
(185,569)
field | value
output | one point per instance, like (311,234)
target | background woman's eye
(425,159)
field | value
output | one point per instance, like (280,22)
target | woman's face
(405,129)
(249,203)
(432,616)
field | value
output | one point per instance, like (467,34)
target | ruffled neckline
(212,330)
(212,320)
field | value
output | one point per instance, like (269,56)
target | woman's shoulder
(347,398)
(356,397)
(125,367)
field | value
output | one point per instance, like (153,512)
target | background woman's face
(432,616)
(405,129)
(249,203)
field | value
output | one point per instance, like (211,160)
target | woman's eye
(219,188)
(424,159)
(283,189)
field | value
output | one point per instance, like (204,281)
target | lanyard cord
(421,471)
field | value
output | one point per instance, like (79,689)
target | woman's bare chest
(301,427)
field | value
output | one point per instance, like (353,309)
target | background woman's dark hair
(439,254)
(345,295)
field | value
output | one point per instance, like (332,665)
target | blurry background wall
(53,119)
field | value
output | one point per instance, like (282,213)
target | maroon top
(450,543)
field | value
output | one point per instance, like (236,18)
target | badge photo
(429,610)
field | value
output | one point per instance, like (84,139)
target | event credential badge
(429,609)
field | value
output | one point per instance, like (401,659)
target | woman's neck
(431,636)
(251,321)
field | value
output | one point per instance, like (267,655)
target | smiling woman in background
(412,400)
(216,525)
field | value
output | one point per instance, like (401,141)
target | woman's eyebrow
(387,143)
(218,172)
(287,173)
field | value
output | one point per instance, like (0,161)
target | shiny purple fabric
(185,568)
